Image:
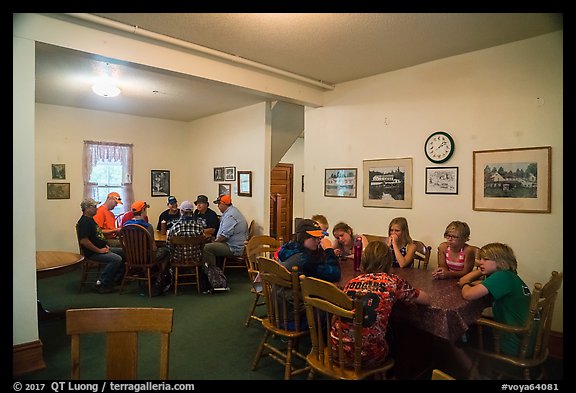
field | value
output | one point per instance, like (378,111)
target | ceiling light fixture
(105,89)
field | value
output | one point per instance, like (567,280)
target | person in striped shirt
(455,256)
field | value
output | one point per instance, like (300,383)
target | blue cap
(172,199)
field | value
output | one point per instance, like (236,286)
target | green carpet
(209,339)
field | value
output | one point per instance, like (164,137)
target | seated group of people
(99,236)
(496,275)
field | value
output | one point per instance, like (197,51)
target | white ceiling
(331,48)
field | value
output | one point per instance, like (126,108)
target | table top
(50,263)
(447,316)
(159,237)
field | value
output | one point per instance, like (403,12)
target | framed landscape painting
(512,180)
(388,183)
(442,180)
(340,182)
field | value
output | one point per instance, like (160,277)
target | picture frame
(58,190)
(387,183)
(340,182)
(160,182)
(224,189)
(59,171)
(245,183)
(219,174)
(512,180)
(230,173)
(442,180)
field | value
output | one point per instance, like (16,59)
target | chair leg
(251,315)
(197,278)
(288,365)
(176,280)
(260,350)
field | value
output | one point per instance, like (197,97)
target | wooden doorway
(281,182)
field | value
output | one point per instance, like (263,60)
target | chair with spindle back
(185,262)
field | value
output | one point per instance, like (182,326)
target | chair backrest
(422,255)
(371,238)
(121,326)
(439,375)
(80,248)
(327,305)
(183,249)
(251,229)
(261,245)
(283,297)
(138,245)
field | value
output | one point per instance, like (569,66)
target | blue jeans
(114,269)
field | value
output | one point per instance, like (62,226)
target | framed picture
(224,189)
(219,174)
(58,191)
(442,180)
(230,173)
(245,183)
(388,183)
(340,182)
(160,181)
(512,180)
(59,171)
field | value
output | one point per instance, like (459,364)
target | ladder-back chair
(187,264)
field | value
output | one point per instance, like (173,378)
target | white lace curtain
(95,152)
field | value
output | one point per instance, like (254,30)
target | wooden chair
(422,255)
(139,256)
(534,335)
(262,245)
(371,238)
(239,262)
(121,326)
(284,319)
(186,268)
(326,302)
(90,269)
(438,375)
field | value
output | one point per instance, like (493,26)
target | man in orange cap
(106,220)
(231,235)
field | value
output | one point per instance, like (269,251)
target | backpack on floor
(215,275)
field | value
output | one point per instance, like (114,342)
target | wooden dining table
(418,329)
(53,263)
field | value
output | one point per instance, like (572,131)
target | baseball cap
(186,206)
(116,196)
(201,199)
(88,202)
(311,227)
(172,199)
(225,199)
(138,206)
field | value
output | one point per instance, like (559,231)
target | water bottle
(357,252)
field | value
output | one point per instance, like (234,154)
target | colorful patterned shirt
(380,291)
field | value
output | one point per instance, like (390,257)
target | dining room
(507,96)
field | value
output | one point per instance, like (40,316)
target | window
(107,168)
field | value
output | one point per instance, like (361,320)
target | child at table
(455,256)
(399,240)
(381,289)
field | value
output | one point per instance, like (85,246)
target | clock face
(439,147)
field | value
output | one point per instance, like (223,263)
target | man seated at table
(231,235)
(170,215)
(206,216)
(94,246)
(187,226)
(106,220)
(380,290)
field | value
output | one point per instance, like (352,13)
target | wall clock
(439,147)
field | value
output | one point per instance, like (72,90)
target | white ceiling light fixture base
(106,89)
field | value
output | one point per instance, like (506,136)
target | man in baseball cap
(225,199)
(206,216)
(107,221)
(170,215)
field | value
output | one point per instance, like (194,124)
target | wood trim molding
(26,358)
(556,345)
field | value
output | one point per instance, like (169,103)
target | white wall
(485,100)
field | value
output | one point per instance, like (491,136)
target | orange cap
(116,197)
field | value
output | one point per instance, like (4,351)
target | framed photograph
(512,180)
(59,171)
(224,189)
(58,191)
(245,183)
(160,181)
(219,174)
(442,180)
(340,182)
(230,173)
(388,183)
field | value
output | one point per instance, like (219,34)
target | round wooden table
(53,263)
